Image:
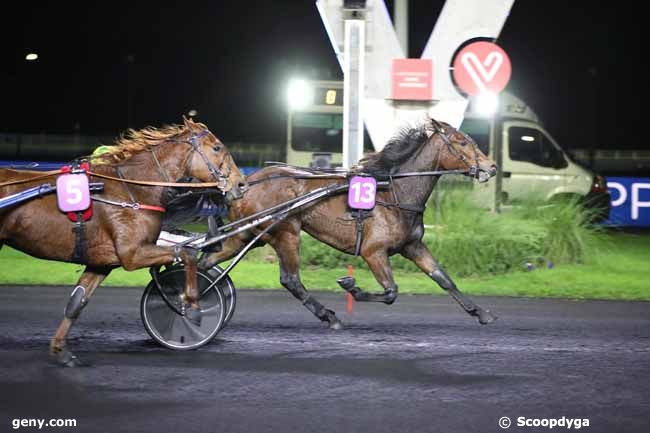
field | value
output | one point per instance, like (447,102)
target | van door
(533,164)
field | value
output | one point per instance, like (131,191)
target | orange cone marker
(350,298)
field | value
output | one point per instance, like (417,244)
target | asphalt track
(420,365)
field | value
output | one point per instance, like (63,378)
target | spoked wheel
(229,293)
(161,312)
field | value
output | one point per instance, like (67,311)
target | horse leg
(422,257)
(142,256)
(287,247)
(380,267)
(88,282)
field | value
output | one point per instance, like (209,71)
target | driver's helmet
(101,150)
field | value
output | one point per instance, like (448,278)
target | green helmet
(101,150)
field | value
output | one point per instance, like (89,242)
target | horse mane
(135,141)
(406,141)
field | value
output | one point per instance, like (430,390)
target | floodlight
(486,104)
(299,94)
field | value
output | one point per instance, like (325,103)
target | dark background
(108,65)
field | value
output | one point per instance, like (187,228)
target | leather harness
(80,252)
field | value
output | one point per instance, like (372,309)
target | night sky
(107,65)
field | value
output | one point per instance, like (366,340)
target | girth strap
(80,252)
(360,215)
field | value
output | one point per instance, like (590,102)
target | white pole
(401,20)
(353,84)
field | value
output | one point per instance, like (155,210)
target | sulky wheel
(229,293)
(161,310)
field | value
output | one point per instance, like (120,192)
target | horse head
(458,151)
(211,161)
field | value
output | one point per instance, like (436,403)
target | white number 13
(364,192)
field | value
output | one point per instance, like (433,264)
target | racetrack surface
(421,365)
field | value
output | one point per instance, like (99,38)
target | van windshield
(317,132)
(532,145)
(479,130)
(321,132)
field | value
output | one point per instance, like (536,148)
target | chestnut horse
(395,225)
(127,217)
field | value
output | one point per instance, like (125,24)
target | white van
(533,164)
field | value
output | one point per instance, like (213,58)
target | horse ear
(189,123)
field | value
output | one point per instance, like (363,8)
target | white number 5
(73,191)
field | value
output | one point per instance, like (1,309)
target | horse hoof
(347,283)
(391,296)
(336,325)
(194,315)
(65,358)
(485,317)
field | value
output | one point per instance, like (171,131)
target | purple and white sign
(362,192)
(73,192)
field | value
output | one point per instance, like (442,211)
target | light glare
(299,94)
(527,138)
(486,104)
(31,56)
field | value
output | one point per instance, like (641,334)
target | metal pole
(353,84)
(496,137)
(401,20)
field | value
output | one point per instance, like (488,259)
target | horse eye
(216,148)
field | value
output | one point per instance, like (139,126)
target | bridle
(193,140)
(473,170)
(215,171)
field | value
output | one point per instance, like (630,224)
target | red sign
(482,67)
(413,79)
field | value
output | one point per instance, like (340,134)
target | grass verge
(620,271)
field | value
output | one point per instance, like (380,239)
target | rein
(215,171)
(117,179)
(45,175)
(379,177)
(472,170)
(154,183)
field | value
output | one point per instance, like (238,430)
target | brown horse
(395,225)
(125,225)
